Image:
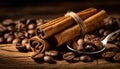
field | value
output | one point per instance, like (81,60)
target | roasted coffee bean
(16,40)
(117,43)
(101,31)
(7,22)
(3,29)
(108,55)
(6,35)
(117,57)
(68,56)
(2,40)
(106,32)
(39,22)
(86,58)
(24,41)
(80,43)
(20,47)
(51,53)
(31,26)
(90,48)
(48,59)
(28,47)
(10,39)
(112,38)
(99,45)
(10,28)
(38,56)
(31,33)
(20,35)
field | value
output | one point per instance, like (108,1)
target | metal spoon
(104,43)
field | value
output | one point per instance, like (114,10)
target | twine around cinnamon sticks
(63,29)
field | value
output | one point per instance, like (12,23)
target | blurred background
(49,9)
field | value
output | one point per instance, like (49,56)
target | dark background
(49,9)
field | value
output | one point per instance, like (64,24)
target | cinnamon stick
(38,45)
(46,30)
(91,23)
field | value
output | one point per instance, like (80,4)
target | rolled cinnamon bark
(38,45)
(91,23)
(46,30)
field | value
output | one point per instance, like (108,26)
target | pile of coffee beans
(18,32)
(25,29)
(7,29)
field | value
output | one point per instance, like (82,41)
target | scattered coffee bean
(108,55)
(2,40)
(85,58)
(51,53)
(68,56)
(48,59)
(38,56)
(117,57)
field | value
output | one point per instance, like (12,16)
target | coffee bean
(20,47)
(68,56)
(112,38)
(39,22)
(101,31)
(28,47)
(31,32)
(108,55)
(16,40)
(51,53)
(2,40)
(48,59)
(90,48)
(106,32)
(20,35)
(117,43)
(7,22)
(10,28)
(10,39)
(38,56)
(31,26)
(24,41)
(6,35)
(80,43)
(86,58)
(117,57)
(98,45)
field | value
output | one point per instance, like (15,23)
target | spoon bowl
(104,43)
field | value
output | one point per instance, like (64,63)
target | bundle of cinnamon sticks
(63,29)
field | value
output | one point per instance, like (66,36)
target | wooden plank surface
(12,59)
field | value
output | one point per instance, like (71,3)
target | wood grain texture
(10,58)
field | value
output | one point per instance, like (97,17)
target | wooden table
(10,58)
